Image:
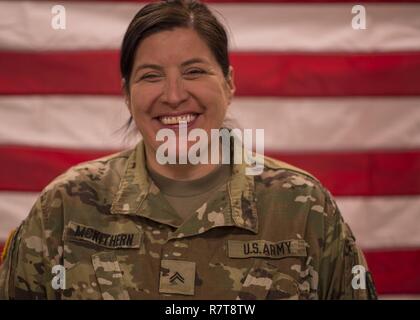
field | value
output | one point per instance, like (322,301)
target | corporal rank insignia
(266,249)
(131,238)
(177,277)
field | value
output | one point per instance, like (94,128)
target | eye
(151,77)
(194,72)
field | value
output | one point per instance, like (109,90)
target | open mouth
(175,121)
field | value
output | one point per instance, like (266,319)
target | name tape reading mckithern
(79,232)
(266,249)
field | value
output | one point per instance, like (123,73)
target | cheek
(212,96)
(142,98)
(217,107)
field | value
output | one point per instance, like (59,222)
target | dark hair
(166,15)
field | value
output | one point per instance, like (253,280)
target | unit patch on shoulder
(7,245)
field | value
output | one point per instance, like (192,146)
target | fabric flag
(340,102)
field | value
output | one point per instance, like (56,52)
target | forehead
(173,47)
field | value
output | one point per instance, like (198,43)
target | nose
(174,93)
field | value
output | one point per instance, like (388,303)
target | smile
(171,120)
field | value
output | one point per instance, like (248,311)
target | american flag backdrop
(341,103)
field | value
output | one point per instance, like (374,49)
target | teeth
(175,120)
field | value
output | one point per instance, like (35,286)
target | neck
(182,172)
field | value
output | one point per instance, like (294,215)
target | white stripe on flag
(383,222)
(260,27)
(289,124)
(14,208)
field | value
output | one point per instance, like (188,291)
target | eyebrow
(158,67)
(193,60)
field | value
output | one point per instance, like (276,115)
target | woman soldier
(129,227)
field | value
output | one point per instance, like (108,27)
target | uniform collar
(138,195)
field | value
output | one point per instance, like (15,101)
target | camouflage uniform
(278,235)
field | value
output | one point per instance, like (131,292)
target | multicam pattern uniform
(278,235)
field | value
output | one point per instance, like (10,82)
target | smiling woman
(128,227)
(175,66)
(176,77)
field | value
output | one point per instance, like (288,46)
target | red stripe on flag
(84,72)
(395,271)
(257,74)
(276,74)
(31,169)
(344,174)
(369,173)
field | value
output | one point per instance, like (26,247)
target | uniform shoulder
(88,184)
(275,164)
(97,171)
(279,177)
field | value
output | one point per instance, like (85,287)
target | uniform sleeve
(344,273)
(24,270)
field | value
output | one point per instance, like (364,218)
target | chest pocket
(109,276)
(90,257)
(268,277)
(265,281)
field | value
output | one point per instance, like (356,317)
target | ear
(231,84)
